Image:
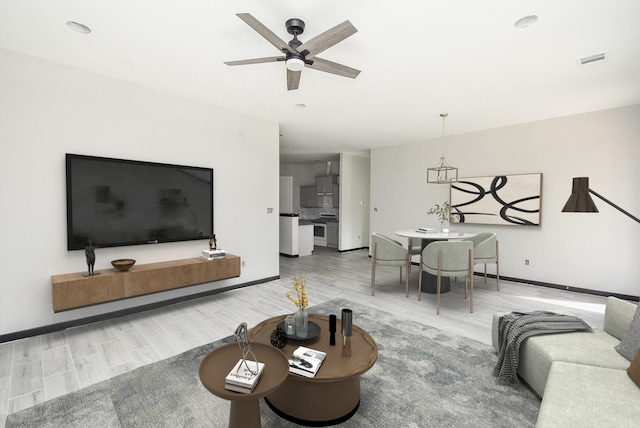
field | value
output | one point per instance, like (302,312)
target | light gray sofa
(580,376)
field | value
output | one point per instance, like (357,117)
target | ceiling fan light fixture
(294,64)
(298,55)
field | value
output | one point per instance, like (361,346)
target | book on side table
(306,361)
(241,379)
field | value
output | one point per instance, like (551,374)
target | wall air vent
(591,59)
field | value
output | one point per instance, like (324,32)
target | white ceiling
(418,59)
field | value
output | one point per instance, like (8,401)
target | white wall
(47,110)
(354,201)
(592,251)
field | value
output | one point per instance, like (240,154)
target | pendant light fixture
(443,173)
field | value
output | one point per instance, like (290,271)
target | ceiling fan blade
(255,60)
(293,79)
(265,32)
(334,68)
(324,41)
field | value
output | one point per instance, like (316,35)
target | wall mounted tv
(117,202)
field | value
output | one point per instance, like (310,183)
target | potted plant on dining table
(444,214)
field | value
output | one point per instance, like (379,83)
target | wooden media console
(72,290)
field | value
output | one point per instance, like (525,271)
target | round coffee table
(245,408)
(333,395)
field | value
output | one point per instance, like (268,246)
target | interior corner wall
(354,202)
(590,251)
(47,110)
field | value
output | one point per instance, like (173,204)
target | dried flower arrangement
(299,284)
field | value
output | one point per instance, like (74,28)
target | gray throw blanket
(515,327)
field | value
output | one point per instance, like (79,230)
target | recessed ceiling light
(526,21)
(300,105)
(80,28)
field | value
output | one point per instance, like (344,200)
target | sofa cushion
(617,316)
(630,342)
(594,348)
(586,396)
(634,369)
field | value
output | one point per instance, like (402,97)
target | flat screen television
(117,202)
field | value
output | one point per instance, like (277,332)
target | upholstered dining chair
(415,249)
(388,252)
(485,250)
(450,259)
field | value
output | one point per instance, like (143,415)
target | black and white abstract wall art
(511,200)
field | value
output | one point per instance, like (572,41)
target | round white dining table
(428,280)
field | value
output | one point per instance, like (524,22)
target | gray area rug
(424,377)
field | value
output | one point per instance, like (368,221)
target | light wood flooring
(40,368)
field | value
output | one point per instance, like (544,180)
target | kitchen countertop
(323,220)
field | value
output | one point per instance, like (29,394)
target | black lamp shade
(580,201)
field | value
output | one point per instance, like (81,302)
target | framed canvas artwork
(510,200)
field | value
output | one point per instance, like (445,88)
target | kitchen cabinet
(324,184)
(289,235)
(336,196)
(309,197)
(332,234)
(305,240)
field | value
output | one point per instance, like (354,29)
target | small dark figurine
(213,244)
(279,338)
(332,330)
(90,254)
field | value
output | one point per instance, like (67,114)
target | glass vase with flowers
(301,302)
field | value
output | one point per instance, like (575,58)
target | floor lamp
(580,201)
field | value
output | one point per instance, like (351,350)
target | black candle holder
(347,331)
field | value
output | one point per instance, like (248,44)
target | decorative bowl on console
(123,264)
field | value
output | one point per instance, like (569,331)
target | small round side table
(245,408)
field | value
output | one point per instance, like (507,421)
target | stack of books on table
(213,254)
(241,379)
(306,361)
(425,230)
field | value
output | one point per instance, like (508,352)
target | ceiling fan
(298,55)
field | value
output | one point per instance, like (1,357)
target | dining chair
(450,259)
(485,250)
(388,252)
(415,249)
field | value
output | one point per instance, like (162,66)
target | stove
(320,228)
